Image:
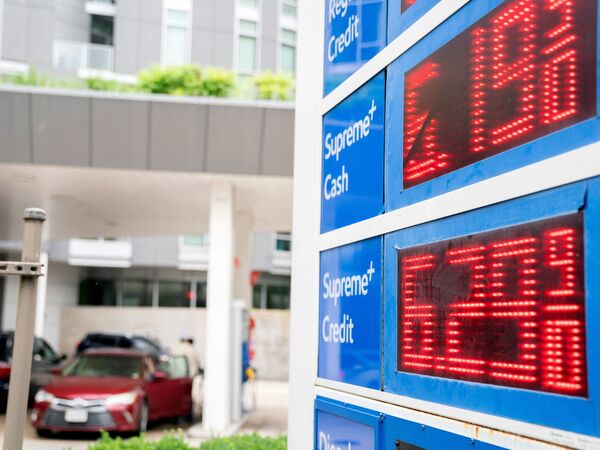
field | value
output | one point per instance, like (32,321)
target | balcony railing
(72,56)
(100,252)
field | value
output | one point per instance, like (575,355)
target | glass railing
(72,56)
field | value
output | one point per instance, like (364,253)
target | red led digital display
(505,307)
(526,69)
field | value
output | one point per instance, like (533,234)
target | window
(137,293)
(102,30)
(288,9)
(145,293)
(288,51)
(287,37)
(97,293)
(283,242)
(201,295)
(174,293)
(177,33)
(248,37)
(196,240)
(273,293)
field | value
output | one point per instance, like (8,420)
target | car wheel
(143,424)
(43,433)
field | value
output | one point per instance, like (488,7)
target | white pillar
(40,312)
(243,258)
(218,377)
(305,230)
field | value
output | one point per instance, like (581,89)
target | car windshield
(104,366)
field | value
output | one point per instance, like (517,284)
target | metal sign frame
(560,169)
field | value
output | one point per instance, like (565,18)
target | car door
(179,376)
(157,392)
(44,360)
(176,370)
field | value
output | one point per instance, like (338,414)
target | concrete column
(218,376)
(243,258)
(40,312)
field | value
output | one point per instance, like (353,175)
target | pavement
(268,418)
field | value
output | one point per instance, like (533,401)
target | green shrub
(246,442)
(101,84)
(167,442)
(217,82)
(179,80)
(187,80)
(32,78)
(274,86)
(176,442)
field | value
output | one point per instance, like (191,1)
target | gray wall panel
(278,155)
(40,47)
(138,28)
(61,130)
(134,132)
(150,10)
(202,47)
(177,136)
(71,21)
(15,128)
(126,45)
(224,15)
(127,9)
(203,14)
(149,45)
(269,35)
(14,39)
(239,150)
(156,251)
(120,133)
(222,50)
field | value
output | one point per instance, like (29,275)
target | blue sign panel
(336,433)
(355,31)
(353,148)
(571,212)
(403,13)
(343,426)
(439,139)
(350,314)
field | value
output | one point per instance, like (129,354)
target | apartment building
(122,37)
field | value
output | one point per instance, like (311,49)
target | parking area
(268,418)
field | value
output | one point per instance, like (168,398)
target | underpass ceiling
(85,202)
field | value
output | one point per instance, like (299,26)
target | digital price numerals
(525,70)
(504,307)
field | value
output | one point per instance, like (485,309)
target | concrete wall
(137,35)
(269,50)
(168,324)
(62,291)
(213,33)
(272,344)
(31,26)
(47,126)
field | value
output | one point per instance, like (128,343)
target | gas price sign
(504,307)
(525,70)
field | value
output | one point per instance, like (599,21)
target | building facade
(125,36)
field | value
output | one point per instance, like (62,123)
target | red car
(113,390)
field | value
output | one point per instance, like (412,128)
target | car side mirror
(56,371)
(160,375)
